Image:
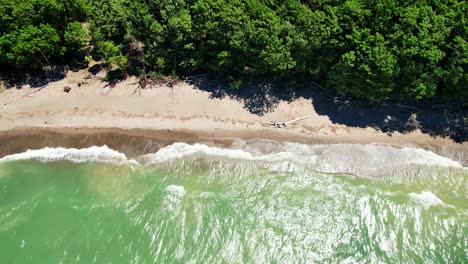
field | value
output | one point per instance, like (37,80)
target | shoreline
(137,142)
(96,113)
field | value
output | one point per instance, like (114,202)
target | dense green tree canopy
(376,50)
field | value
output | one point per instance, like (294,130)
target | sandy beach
(168,114)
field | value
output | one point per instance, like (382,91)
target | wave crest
(94,153)
(427,199)
(375,159)
(358,159)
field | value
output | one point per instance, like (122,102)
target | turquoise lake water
(200,204)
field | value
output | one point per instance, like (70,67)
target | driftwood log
(27,95)
(286,124)
(146,82)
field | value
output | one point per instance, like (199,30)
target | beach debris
(286,124)
(26,95)
(278,125)
(67,89)
(197,76)
(148,81)
(403,106)
(106,90)
(35,91)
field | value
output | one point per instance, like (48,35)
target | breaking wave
(427,199)
(358,159)
(94,153)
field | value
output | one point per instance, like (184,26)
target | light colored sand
(182,107)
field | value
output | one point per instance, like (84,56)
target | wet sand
(136,142)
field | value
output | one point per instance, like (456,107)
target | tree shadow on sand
(263,97)
(35,80)
(258,97)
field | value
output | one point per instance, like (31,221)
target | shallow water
(200,204)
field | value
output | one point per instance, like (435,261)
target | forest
(376,50)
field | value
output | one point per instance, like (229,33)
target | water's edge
(364,160)
(137,142)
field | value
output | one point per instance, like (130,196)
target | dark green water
(214,209)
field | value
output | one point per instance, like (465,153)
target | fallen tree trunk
(26,95)
(35,91)
(297,119)
(286,124)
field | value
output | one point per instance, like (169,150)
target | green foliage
(113,55)
(35,33)
(31,46)
(106,22)
(418,38)
(369,70)
(376,50)
(75,36)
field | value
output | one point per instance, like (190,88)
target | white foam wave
(180,150)
(95,153)
(427,199)
(374,159)
(359,159)
(172,201)
(176,189)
